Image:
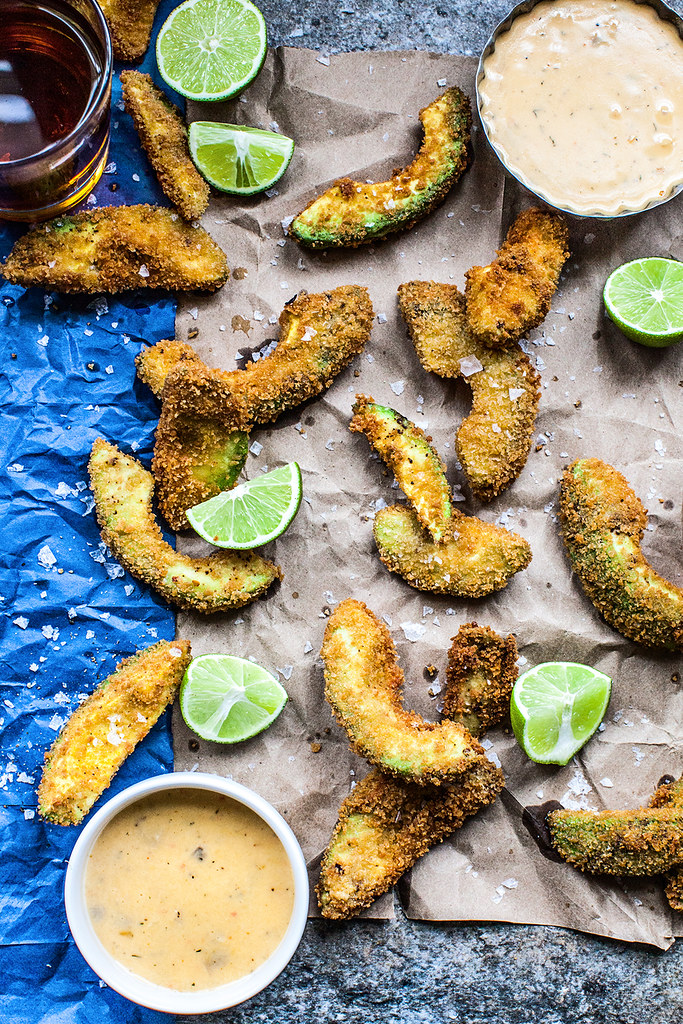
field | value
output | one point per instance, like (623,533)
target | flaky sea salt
(413,631)
(470,365)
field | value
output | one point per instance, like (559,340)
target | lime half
(644,298)
(252,513)
(211,49)
(556,707)
(228,699)
(239,160)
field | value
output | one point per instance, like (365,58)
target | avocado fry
(494,440)
(106,727)
(351,212)
(363,685)
(513,294)
(123,504)
(117,248)
(130,23)
(602,523)
(154,363)
(482,669)
(646,841)
(419,470)
(478,559)
(671,794)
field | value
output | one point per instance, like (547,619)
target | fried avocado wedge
(363,684)
(117,248)
(123,503)
(513,294)
(647,841)
(478,559)
(602,523)
(670,794)
(419,470)
(351,212)
(130,23)
(163,135)
(154,363)
(385,825)
(106,727)
(482,669)
(494,440)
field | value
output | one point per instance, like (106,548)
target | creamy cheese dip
(583,101)
(189,889)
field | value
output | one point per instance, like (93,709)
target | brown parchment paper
(603,396)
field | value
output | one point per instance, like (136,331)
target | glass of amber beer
(55,91)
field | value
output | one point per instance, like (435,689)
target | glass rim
(93,103)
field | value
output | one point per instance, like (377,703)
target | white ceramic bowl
(147,993)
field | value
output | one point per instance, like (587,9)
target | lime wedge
(556,707)
(211,49)
(228,699)
(239,160)
(252,513)
(644,298)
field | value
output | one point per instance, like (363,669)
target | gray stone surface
(385,972)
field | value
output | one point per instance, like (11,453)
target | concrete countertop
(386,972)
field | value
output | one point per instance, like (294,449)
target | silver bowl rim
(665,12)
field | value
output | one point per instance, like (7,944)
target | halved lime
(644,298)
(228,699)
(556,707)
(211,49)
(237,159)
(252,513)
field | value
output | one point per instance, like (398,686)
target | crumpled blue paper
(68,611)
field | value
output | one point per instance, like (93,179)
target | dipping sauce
(189,889)
(583,101)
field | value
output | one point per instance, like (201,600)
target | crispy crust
(602,523)
(154,363)
(130,23)
(512,295)
(417,466)
(494,440)
(117,248)
(479,559)
(363,684)
(163,136)
(123,504)
(646,841)
(482,669)
(108,725)
(351,213)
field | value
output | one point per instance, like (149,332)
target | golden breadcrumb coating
(602,523)
(163,135)
(513,294)
(154,363)
(646,841)
(482,669)
(671,794)
(117,248)
(106,727)
(417,466)
(351,212)
(478,559)
(123,504)
(494,440)
(130,24)
(363,684)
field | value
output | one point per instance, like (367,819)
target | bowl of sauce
(582,102)
(187,893)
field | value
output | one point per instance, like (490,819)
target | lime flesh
(556,707)
(644,298)
(239,160)
(227,699)
(252,513)
(211,49)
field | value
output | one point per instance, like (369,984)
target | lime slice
(239,160)
(252,513)
(211,49)
(644,298)
(228,699)
(556,707)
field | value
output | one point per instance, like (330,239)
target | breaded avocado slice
(420,473)
(353,212)
(363,684)
(602,524)
(123,503)
(646,841)
(478,559)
